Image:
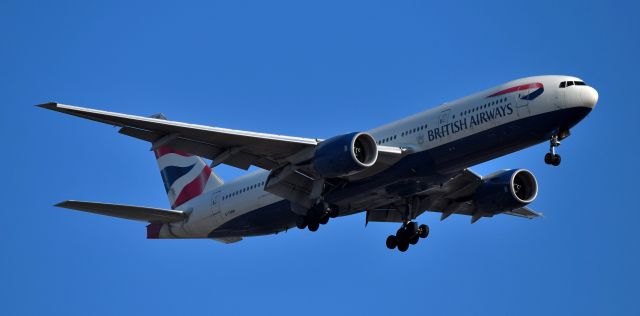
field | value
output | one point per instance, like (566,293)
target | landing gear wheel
(412,228)
(301,222)
(333,213)
(313,226)
(423,231)
(392,242)
(408,234)
(555,161)
(324,219)
(551,158)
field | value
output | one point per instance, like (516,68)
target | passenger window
(562,84)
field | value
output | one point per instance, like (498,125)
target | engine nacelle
(345,155)
(506,190)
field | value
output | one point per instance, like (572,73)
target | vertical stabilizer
(184,175)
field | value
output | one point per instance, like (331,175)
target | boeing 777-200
(394,172)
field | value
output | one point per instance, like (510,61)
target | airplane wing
(288,157)
(232,147)
(147,214)
(454,196)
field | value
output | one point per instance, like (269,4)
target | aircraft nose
(589,97)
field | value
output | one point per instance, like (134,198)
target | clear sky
(314,70)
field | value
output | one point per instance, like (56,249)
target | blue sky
(315,70)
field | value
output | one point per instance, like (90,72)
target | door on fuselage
(216,209)
(444,119)
(558,95)
(522,103)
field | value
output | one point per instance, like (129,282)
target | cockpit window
(565,84)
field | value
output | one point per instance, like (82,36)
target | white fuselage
(427,130)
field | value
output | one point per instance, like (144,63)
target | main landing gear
(316,217)
(409,233)
(551,158)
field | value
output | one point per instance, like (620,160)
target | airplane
(393,173)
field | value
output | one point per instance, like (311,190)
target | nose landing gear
(409,234)
(552,158)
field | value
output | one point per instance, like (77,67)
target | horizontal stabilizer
(147,214)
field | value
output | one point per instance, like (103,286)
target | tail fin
(185,176)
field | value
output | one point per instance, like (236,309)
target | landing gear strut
(409,234)
(551,158)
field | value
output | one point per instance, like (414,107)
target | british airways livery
(393,173)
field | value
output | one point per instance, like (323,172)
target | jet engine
(345,155)
(506,190)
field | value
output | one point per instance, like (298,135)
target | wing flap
(384,215)
(228,240)
(206,150)
(524,212)
(139,213)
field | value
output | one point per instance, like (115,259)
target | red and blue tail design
(184,175)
